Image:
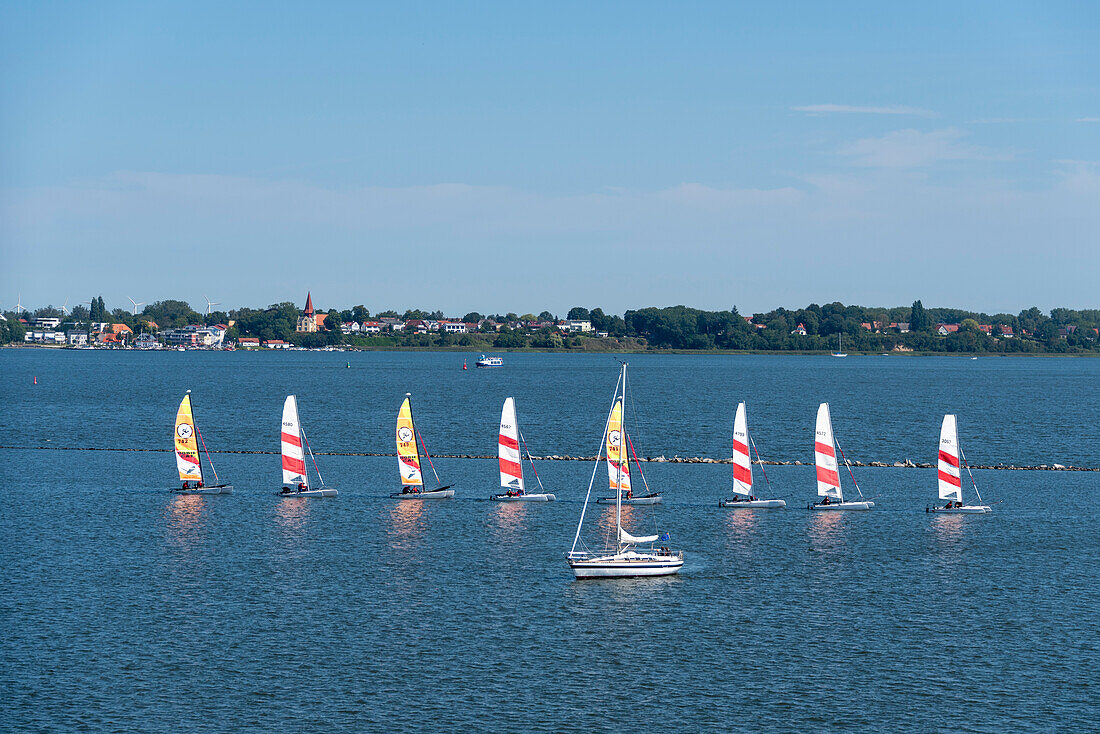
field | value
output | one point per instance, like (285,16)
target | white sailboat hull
(220,489)
(866,505)
(752,504)
(629,564)
(323,492)
(653,499)
(544,497)
(964,510)
(437,495)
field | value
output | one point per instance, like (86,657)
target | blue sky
(520,156)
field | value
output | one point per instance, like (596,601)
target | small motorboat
(484,361)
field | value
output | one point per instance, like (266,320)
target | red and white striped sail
(950,483)
(742,462)
(511,465)
(828,476)
(294,461)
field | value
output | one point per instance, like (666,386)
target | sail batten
(187,447)
(742,462)
(948,477)
(408,455)
(618,466)
(290,441)
(511,464)
(828,476)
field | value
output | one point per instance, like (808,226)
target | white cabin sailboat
(828,474)
(948,476)
(188,463)
(839,346)
(622,558)
(408,460)
(511,461)
(292,438)
(743,498)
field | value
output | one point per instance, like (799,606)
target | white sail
(294,461)
(625,537)
(511,465)
(828,477)
(742,463)
(949,480)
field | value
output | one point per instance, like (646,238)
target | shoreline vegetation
(906,464)
(815,329)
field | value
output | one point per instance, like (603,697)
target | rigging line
(596,465)
(208,460)
(967,465)
(309,448)
(849,468)
(638,464)
(529,461)
(760,462)
(429,458)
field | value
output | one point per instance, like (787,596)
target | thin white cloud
(1087,119)
(915,149)
(820,109)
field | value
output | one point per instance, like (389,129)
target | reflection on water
(407,522)
(186,515)
(508,521)
(291,514)
(826,530)
(948,536)
(741,527)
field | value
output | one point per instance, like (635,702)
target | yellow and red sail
(618,462)
(187,444)
(408,457)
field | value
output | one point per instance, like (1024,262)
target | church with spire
(307,322)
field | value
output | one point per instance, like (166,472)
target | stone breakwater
(907,464)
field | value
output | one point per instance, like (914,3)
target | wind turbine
(65,308)
(209,304)
(19,304)
(136,304)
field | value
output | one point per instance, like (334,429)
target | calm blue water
(125,608)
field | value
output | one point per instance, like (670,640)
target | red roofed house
(121,329)
(945,329)
(800,330)
(1006,331)
(985,328)
(248,341)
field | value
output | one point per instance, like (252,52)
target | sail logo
(614,438)
(404,434)
(184,431)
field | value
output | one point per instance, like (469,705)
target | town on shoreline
(831,328)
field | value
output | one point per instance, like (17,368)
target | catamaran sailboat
(948,477)
(743,497)
(408,460)
(618,467)
(188,462)
(622,558)
(295,473)
(511,462)
(828,476)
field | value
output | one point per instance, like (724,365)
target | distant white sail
(950,483)
(742,462)
(294,461)
(511,469)
(828,477)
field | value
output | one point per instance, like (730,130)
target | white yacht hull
(220,489)
(545,497)
(653,499)
(752,504)
(437,495)
(323,492)
(630,564)
(866,505)
(964,510)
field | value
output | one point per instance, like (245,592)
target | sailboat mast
(595,468)
(195,424)
(622,458)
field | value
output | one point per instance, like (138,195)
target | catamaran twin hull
(438,494)
(752,504)
(219,489)
(630,564)
(544,497)
(323,492)
(843,506)
(964,510)
(649,499)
